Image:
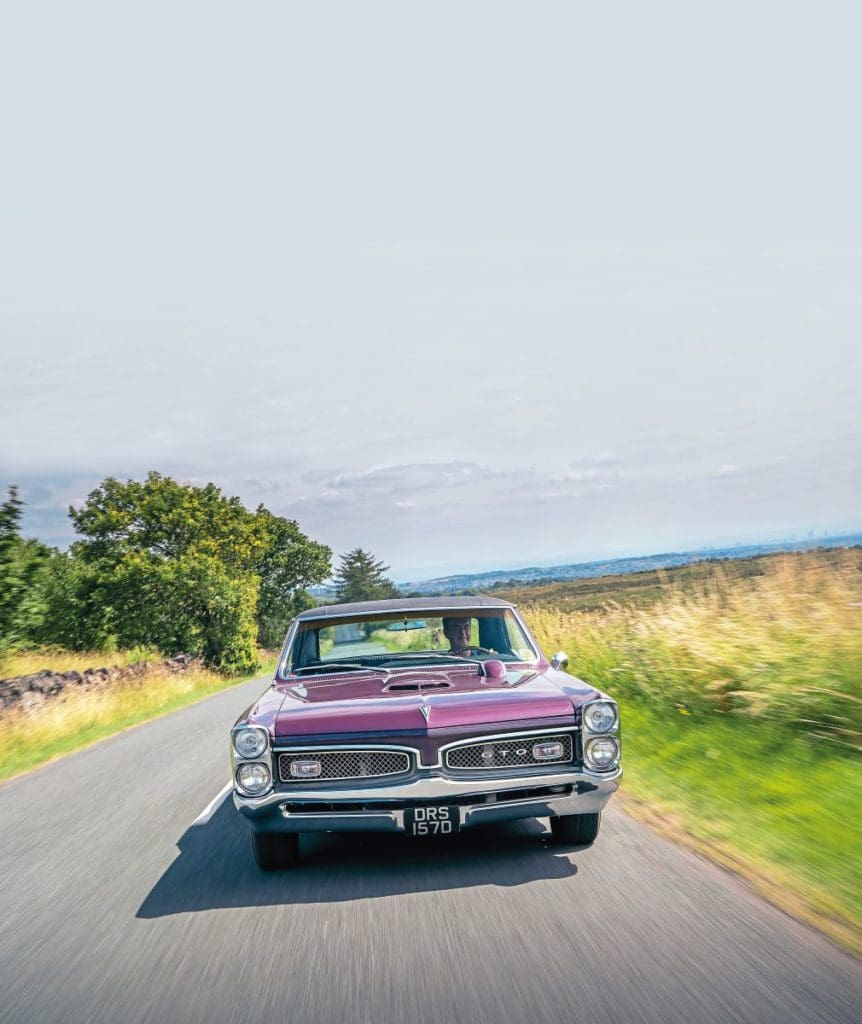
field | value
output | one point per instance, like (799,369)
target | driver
(457,632)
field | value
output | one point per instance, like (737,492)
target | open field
(642,589)
(77,719)
(741,694)
(783,647)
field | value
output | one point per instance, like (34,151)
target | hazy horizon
(420,574)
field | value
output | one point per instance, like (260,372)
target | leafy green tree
(72,613)
(182,568)
(290,563)
(167,520)
(360,577)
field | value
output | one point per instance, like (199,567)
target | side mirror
(560,660)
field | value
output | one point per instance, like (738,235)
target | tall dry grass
(784,647)
(42,729)
(57,726)
(59,659)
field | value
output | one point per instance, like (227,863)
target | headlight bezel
(243,788)
(592,742)
(245,730)
(612,729)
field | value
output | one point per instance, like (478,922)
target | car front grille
(345,764)
(514,752)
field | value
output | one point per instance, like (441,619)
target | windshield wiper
(325,666)
(433,654)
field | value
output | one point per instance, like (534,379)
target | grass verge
(783,648)
(742,719)
(761,802)
(58,659)
(77,720)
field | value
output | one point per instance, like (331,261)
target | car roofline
(408,605)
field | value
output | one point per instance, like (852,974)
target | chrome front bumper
(303,809)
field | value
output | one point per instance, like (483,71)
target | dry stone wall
(27,692)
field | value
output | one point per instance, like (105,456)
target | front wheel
(275,851)
(575,829)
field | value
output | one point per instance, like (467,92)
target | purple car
(424,716)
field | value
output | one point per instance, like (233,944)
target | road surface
(129,894)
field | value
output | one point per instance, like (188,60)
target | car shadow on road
(215,867)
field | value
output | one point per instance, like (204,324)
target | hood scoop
(436,684)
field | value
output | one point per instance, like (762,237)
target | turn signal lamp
(551,751)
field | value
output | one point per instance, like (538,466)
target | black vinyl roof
(401,604)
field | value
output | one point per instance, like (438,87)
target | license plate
(432,821)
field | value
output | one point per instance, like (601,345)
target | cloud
(424,518)
(455,402)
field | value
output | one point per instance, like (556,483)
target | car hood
(421,700)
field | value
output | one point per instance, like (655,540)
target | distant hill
(501,579)
(644,589)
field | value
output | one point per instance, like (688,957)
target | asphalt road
(120,902)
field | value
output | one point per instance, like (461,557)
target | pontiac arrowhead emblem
(426,711)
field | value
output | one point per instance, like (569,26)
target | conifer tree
(361,577)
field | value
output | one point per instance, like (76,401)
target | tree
(290,563)
(10,577)
(73,613)
(183,568)
(360,577)
(22,562)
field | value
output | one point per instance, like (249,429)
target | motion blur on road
(129,894)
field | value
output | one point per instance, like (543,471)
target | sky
(471,285)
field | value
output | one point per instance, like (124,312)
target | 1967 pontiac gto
(423,716)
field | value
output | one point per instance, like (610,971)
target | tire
(275,851)
(575,829)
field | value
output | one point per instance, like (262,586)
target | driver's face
(458,633)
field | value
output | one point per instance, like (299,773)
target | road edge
(128,728)
(756,876)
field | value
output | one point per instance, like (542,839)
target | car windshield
(401,641)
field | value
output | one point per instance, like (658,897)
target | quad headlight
(601,716)
(253,778)
(602,752)
(250,741)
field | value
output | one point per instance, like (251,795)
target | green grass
(741,690)
(782,812)
(76,720)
